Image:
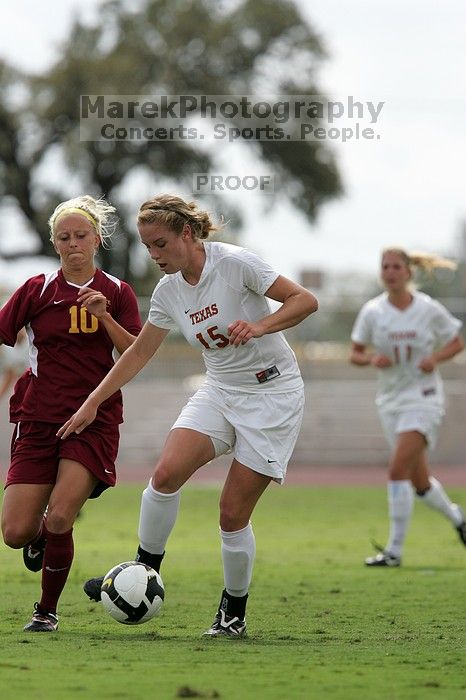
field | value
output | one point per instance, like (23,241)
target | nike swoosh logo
(187,311)
(108,471)
(54,570)
(58,302)
(34,554)
(271,460)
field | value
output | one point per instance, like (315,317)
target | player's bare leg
(23,511)
(409,467)
(184,452)
(431,492)
(420,474)
(73,487)
(403,467)
(242,490)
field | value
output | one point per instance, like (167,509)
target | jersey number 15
(220,341)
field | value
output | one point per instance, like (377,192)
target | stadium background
(340,442)
(338,204)
(321,627)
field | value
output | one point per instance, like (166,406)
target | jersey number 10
(80,321)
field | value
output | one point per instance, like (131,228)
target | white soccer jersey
(406,337)
(232,287)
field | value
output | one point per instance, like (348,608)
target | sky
(407,188)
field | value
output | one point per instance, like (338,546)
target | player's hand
(83,417)
(240,332)
(427,365)
(381,361)
(95,302)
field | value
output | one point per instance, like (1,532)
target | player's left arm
(98,305)
(10,375)
(444,353)
(296,304)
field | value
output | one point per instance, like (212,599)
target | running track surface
(300,474)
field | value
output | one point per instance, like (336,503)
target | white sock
(437,499)
(157,518)
(400,505)
(238,553)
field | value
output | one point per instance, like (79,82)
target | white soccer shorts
(424,421)
(260,429)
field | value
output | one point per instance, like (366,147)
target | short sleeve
(128,313)
(362,329)
(257,274)
(159,312)
(15,313)
(445,326)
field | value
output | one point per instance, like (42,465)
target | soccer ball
(132,593)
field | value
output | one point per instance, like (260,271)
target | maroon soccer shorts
(36,453)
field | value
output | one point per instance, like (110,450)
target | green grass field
(320,624)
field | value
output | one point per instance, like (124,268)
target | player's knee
(395,474)
(400,469)
(16,537)
(230,519)
(164,480)
(59,519)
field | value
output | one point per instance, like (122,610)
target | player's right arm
(361,337)
(129,364)
(359,356)
(362,357)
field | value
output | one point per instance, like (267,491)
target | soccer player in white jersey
(251,402)
(410,333)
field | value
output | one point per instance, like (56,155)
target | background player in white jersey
(251,402)
(74,318)
(410,333)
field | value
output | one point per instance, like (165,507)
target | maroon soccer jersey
(70,351)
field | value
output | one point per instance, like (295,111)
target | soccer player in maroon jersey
(74,318)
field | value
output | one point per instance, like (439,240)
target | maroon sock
(39,540)
(58,557)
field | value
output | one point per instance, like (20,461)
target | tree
(19,156)
(166,47)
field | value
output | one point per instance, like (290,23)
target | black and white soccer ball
(132,593)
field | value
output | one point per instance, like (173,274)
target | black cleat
(92,588)
(461,529)
(383,558)
(33,555)
(42,621)
(226,626)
